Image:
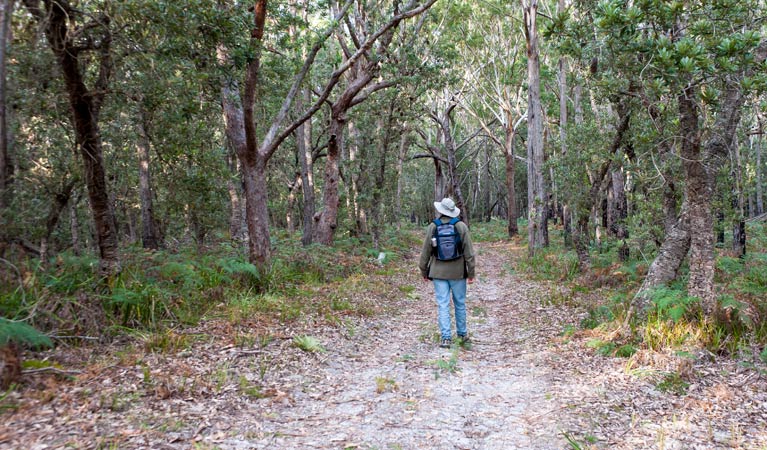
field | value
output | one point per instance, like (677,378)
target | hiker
(447,258)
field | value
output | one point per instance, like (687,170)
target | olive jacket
(460,268)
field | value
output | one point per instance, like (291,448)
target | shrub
(21,333)
(671,304)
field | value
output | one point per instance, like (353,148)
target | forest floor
(383,383)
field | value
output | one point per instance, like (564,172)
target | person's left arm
(468,252)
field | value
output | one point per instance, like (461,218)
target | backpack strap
(454,221)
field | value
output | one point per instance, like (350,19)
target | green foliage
(449,365)
(492,231)
(729,266)
(249,389)
(550,264)
(308,344)
(571,441)
(21,333)
(625,351)
(672,304)
(70,274)
(673,382)
(597,316)
(604,348)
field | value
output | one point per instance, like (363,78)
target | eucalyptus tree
(494,77)
(358,88)
(241,126)
(537,228)
(73,37)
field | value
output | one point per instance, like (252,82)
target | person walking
(448,260)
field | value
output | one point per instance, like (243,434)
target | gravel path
(392,387)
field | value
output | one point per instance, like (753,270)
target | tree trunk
(5,158)
(701,166)
(508,153)
(699,192)
(149,236)
(536,188)
(74,226)
(666,264)
(581,240)
(132,224)
(293,188)
(569,215)
(60,200)
(327,222)
(440,191)
(670,213)
(489,186)
(85,106)
(403,148)
(257,213)
(384,131)
(758,173)
(234,187)
(306,160)
(253,168)
(452,164)
(738,204)
(358,183)
(620,213)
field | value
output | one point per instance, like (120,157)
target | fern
(21,333)
(308,344)
(671,303)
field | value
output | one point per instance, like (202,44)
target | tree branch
(272,139)
(372,89)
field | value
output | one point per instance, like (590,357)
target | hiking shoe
(464,340)
(446,343)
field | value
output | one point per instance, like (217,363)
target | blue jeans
(442,289)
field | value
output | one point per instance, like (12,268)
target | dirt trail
(383,383)
(385,388)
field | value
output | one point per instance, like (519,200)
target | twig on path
(248,352)
(528,419)
(88,338)
(51,369)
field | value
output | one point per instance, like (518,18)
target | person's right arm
(423,261)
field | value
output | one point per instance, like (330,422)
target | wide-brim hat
(447,207)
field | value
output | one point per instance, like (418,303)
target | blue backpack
(448,241)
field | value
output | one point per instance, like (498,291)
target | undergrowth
(159,290)
(675,320)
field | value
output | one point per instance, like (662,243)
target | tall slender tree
(537,229)
(71,36)
(6,11)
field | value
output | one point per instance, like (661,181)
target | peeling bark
(666,264)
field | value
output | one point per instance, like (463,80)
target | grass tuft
(308,344)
